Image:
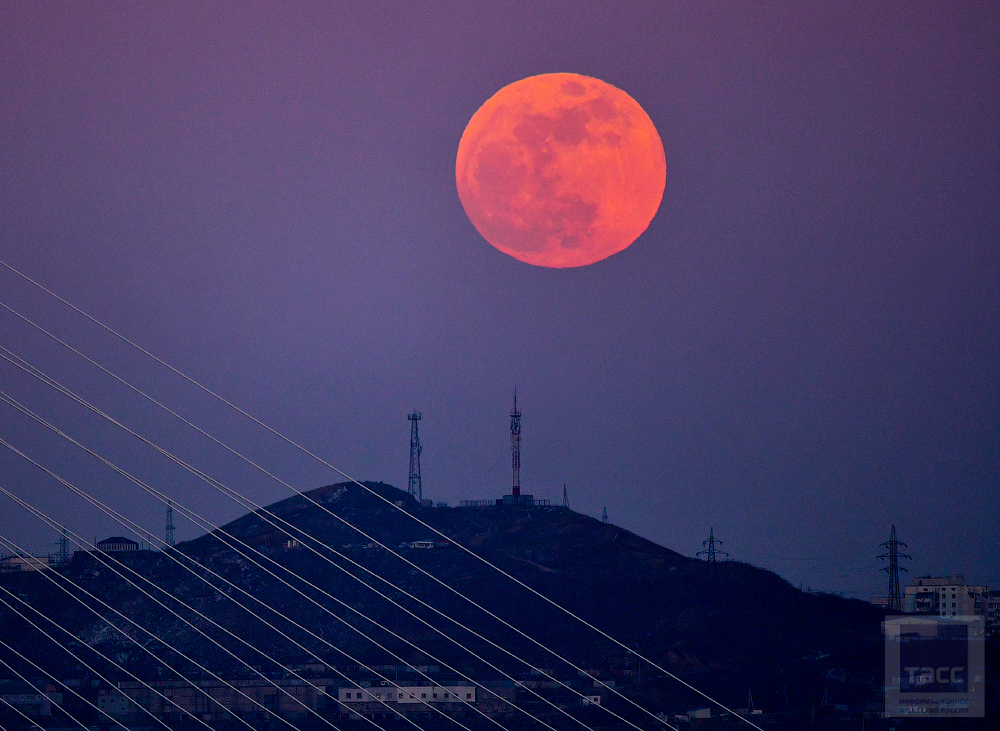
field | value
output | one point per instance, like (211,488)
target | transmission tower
(710,551)
(63,556)
(170,524)
(515,448)
(415,487)
(604,516)
(565,497)
(895,602)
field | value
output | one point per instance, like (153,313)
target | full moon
(560,170)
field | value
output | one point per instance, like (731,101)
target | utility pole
(415,487)
(895,603)
(515,448)
(170,524)
(710,552)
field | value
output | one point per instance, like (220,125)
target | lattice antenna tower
(415,486)
(170,525)
(63,555)
(895,599)
(565,497)
(604,516)
(515,448)
(710,551)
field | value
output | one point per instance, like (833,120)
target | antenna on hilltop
(710,552)
(515,448)
(415,486)
(895,599)
(565,497)
(604,516)
(170,524)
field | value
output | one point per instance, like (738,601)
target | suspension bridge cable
(25,716)
(98,555)
(270,517)
(84,663)
(45,695)
(420,569)
(225,539)
(322,461)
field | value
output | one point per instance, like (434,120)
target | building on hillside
(214,701)
(380,703)
(28,699)
(117,544)
(946,596)
(993,607)
(25,563)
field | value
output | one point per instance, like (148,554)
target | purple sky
(800,351)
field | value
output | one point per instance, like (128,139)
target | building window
(423,695)
(468,695)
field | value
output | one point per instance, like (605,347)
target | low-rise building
(946,596)
(212,700)
(117,544)
(380,702)
(31,700)
(25,563)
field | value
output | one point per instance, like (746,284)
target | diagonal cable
(97,652)
(230,542)
(102,559)
(226,539)
(322,461)
(43,693)
(270,518)
(249,504)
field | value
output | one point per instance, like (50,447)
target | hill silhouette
(727,627)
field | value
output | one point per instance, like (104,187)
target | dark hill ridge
(726,627)
(731,619)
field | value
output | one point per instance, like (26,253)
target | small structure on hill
(117,544)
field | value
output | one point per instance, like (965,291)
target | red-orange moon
(560,170)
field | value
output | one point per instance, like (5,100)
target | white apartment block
(946,596)
(409,694)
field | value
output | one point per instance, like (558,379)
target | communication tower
(515,448)
(565,497)
(415,487)
(895,603)
(604,516)
(710,550)
(170,524)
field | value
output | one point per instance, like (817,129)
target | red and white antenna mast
(515,448)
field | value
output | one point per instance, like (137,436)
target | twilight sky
(800,351)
